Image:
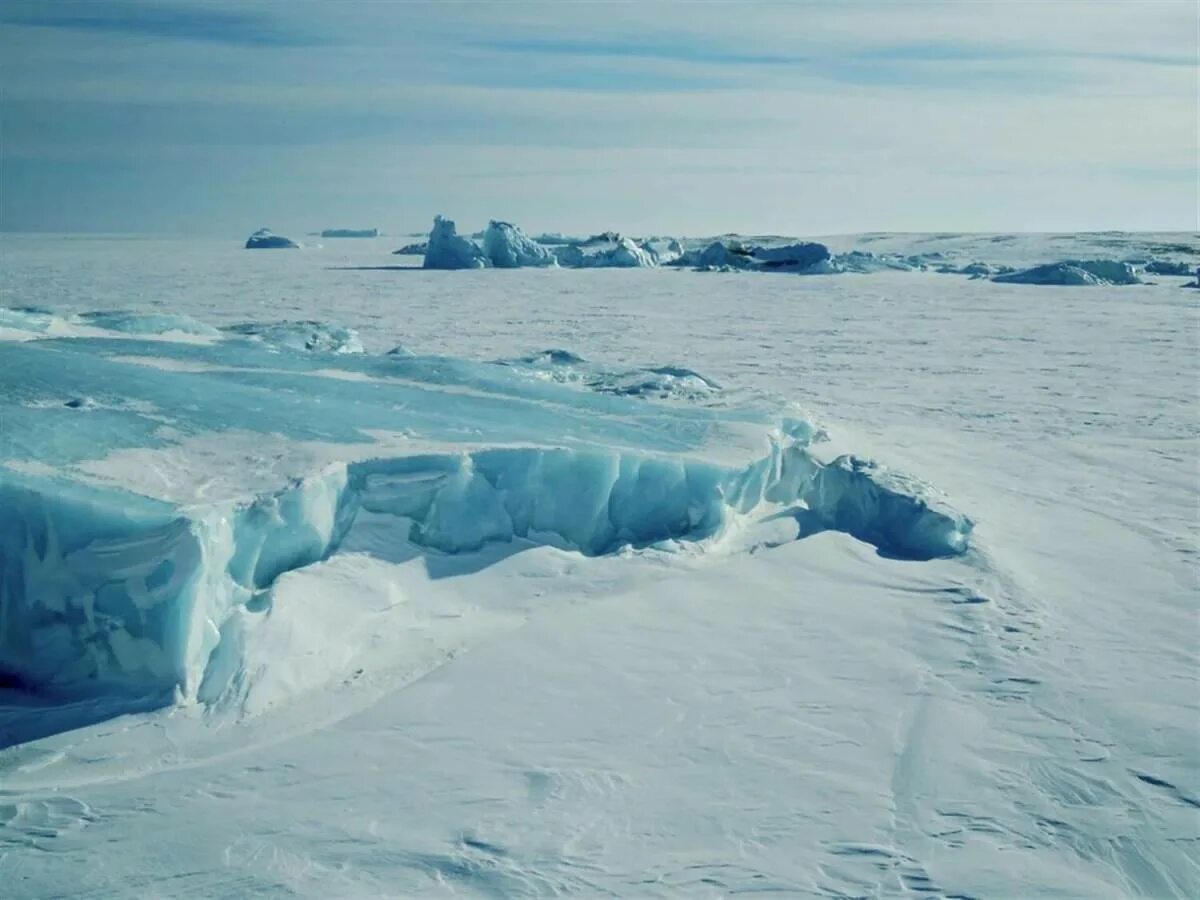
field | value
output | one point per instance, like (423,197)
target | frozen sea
(756,711)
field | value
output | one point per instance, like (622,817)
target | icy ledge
(99,594)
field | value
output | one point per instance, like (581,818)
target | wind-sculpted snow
(138,527)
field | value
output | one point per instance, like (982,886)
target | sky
(212,117)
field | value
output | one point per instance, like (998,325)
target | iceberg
(156,489)
(350,233)
(1074,272)
(265,239)
(447,249)
(508,247)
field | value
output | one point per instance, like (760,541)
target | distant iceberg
(265,239)
(447,249)
(1074,272)
(508,247)
(350,233)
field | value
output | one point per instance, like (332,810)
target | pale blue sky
(218,117)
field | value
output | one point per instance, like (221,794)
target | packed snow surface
(325,578)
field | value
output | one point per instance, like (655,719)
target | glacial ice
(508,247)
(265,239)
(447,249)
(1074,272)
(137,528)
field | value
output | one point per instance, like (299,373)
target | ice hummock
(139,528)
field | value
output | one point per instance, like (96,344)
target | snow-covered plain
(743,712)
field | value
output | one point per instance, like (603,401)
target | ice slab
(153,488)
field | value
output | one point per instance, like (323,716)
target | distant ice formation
(1167,267)
(133,551)
(1074,272)
(265,239)
(447,249)
(417,248)
(508,247)
(350,233)
(607,251)
(729,255)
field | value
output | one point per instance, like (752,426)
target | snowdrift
(141,528)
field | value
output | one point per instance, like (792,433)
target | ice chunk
(508,247)
(265,239)
(1074,272)
(447,249)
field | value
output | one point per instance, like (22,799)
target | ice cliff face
(447,249)
(141,528)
